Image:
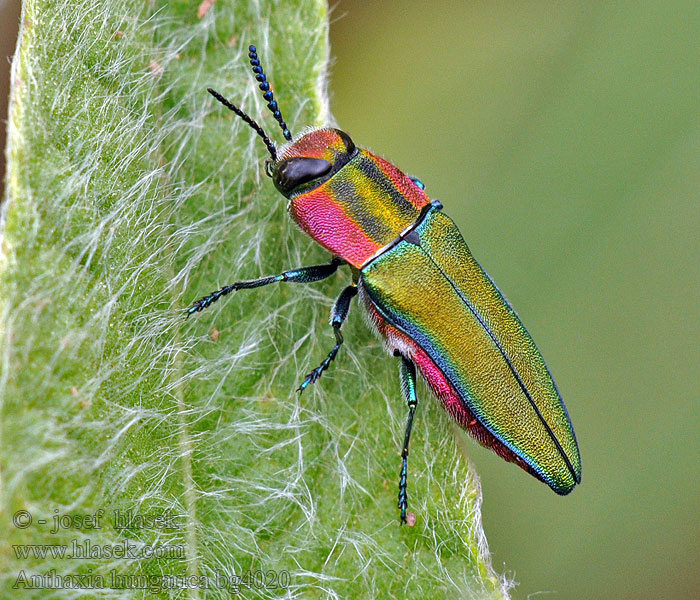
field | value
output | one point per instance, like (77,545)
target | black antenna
(267,92)
(259,130)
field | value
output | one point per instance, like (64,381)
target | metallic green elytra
(437,310)
(472,348)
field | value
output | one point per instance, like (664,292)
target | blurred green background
(564,138)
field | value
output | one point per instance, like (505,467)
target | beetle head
(315,156)
(311,159)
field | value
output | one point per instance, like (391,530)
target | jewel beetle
(434,306)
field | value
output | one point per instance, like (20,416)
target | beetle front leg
(338,315)
(301,275)
(408,385)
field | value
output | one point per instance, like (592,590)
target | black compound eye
(293,172)
(349,144)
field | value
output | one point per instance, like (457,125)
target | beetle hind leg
(408,385)
(338,315)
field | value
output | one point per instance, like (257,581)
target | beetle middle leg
(301,275)
(408,386)
(338,315)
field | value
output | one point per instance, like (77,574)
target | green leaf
(130,194)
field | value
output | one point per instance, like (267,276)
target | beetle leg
(338,315)
(301,275)
(408,385)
